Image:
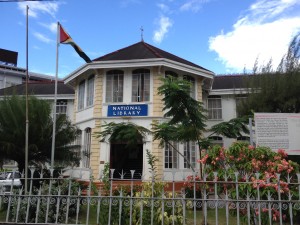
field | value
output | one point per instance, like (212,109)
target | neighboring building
(122,87)
(13,79)
(221,103)
(11,76)
(45,90)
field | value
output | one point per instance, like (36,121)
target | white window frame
(140,85)
(192,80)
(189,151)
(214,107)
(61,107)
(114,86)
(90,91)
(86,151)
(171,156)
(81,94)
(216,140)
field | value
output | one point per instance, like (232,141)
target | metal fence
(210,200)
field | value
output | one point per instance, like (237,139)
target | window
(141,85)
(90,91)
(214,105)
(216,140)
(114,86)
(189,152)
(81,91)
(238,102)
(86,153)
(193,85)
(78,141)
(61,107)
(243,139)
(171,156)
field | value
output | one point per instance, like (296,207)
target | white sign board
(278,131)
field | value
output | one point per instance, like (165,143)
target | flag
(65,38)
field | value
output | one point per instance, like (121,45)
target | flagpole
(27,120)
(55,101)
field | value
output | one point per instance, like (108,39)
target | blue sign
(127,110)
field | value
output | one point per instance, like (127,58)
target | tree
(128,133)
(185,115)
(187,118)
(275,91)
(12,133)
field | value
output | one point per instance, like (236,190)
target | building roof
(21,72)
(230,81)
(143,50)
(38,88)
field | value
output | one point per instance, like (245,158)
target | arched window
(78,141)
(140,85)
(243,139)
(86,151)
(193,85)
(216,140)
(114,86)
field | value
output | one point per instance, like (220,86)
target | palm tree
(12,133)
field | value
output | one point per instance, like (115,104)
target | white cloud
(42,37)
(264,33)
(52,27)
(193,5)
(163,7)
(36,8)
(164,25)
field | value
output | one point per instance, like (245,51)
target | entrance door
(126,159)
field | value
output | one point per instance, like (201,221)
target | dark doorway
(125,159)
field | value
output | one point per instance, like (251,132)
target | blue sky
(224,36)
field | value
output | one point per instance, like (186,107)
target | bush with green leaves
(42,203)
(146,202)
(261,173)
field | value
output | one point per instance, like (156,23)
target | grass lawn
(211,219)
(190,217)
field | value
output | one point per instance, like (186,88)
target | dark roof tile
(230,81)
(143,50)
(38,88)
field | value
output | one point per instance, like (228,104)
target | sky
(224,36)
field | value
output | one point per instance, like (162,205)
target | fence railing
(210,200)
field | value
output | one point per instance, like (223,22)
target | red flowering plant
(245,172)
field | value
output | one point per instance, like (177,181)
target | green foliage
(58,188)
(232,128)
(180,107)
(275,91)
(128,133)
(257,169)
(13,129)
(152,159)
(105,176)
(146,199)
